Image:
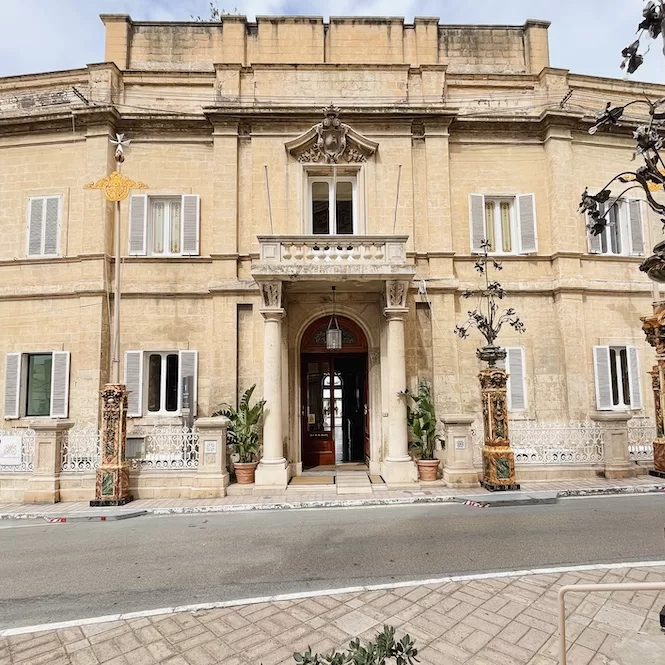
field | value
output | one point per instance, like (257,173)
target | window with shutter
(516,368)
(60,384)
(189,367)
(12,385)
(134,383)
(43,225)
(624,233)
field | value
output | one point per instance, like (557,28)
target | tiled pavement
(424,493)
(493,621)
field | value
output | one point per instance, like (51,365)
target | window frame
(625,231)
(25,384)
(622,381)
(58,241)
(332,202)
(150,236)
(498,230)
(162,412)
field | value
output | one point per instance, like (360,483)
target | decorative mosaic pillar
(112,483)
(654,329)
(498,458)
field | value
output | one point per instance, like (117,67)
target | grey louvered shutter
(636,230)
(51,225)
(526,211)
(12,385)
(60,384)
(477,221)
(134,383)
(601,365)
(516,378)
(138,225)
(191,207)
(634,378)
(188,366)
(35,226)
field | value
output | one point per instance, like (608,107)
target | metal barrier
(590,588)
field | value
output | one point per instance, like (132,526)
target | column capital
(395,313)
(272,314)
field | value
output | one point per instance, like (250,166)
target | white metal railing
(333,249)
(594,588)
(165,447)
(535,442)
(641,433)
(81,449)
(17,450)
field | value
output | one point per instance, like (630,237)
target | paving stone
(579,655)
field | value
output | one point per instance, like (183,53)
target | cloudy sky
(586,36)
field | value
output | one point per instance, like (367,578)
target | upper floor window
(617,375)
(37,384)
(164,225)
(624,234)
(43,225)
(508,223)
(332,204)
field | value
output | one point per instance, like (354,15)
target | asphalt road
(76,570)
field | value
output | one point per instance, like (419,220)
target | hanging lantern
(334,332)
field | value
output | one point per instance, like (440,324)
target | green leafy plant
(421,420)
(243,430)
(381,649)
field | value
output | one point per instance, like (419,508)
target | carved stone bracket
(331,141)
(396,292)
(271,294)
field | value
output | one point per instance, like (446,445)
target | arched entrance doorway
(334,403)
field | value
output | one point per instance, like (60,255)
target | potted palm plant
(421,419)
(243,433)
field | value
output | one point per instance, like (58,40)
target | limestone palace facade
(304,174)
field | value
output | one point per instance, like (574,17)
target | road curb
(482,500)
(110,517)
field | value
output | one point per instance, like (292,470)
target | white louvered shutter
(593,241)
(516,378)
(60,384)
(636,230)
(191,216)
(526,214)
(35,226)
(134,383)
(188,366)
(51,225)
(634,378)
(477,221)
(601,366)
(12,385)
(138,225)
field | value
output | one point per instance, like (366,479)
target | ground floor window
(162,382)
(38,384)
(617,377)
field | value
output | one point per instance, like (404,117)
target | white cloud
(586,36)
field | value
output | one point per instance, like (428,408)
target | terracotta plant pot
(428,469)
(245,472)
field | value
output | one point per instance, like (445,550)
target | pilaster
(458,470)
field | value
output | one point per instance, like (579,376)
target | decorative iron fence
(641,433)
(535,442)
(17,450)
(163,447)
(81,448)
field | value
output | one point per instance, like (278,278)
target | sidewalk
(499,619)
(304,499)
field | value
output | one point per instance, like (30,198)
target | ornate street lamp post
(498,458)
(112,482)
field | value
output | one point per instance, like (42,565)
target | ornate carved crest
(396,294)
(331,141)
(271,293)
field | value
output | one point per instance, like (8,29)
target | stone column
(272,472)
(112,482)
(458,470)
(212,477)
(44,484)
(654,329)
(398,467)
(614,426)
(498,458)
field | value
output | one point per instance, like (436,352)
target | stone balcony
(327,257)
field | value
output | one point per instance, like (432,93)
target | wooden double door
(334,408)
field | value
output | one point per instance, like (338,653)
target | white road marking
(324,592)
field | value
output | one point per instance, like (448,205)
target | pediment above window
(331,142)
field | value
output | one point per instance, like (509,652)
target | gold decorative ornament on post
(498,458)
(112,482)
